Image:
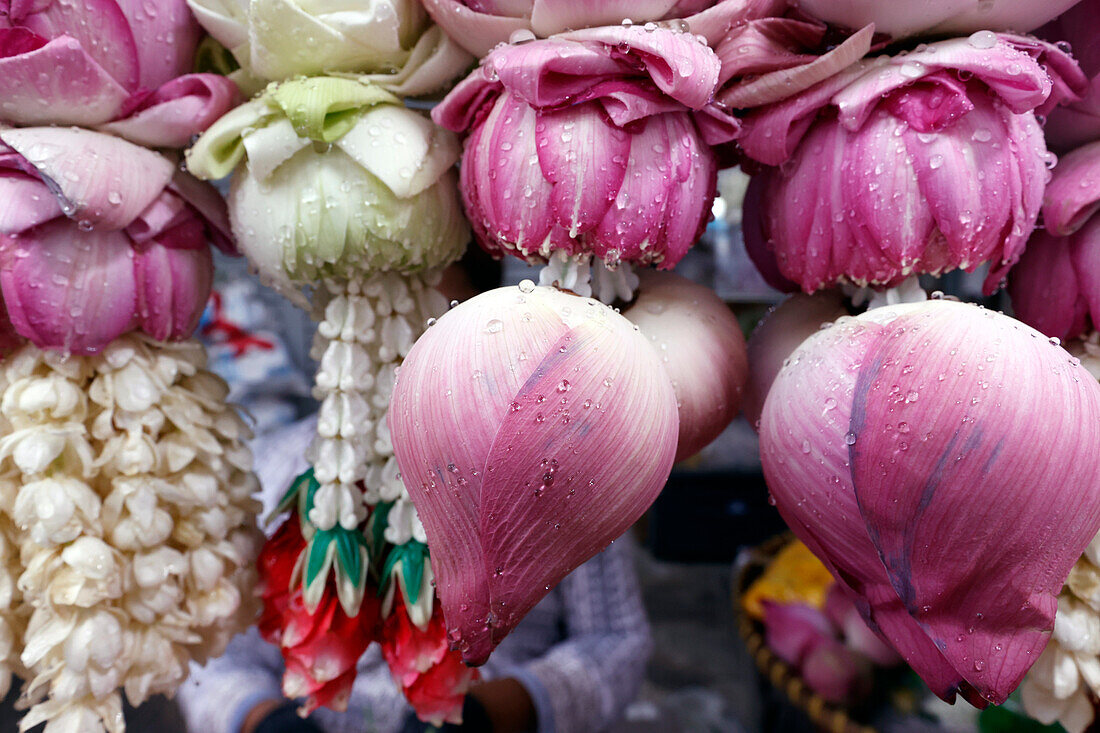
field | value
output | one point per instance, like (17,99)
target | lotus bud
(99,237)
(889,437)
(480,26)
(1055,286)
(135,538)
(106,64)
(944,165)
(335,177)
(593,144)
(792,630)
(391,43)
(1077,123)
(777,336)
(837,673)
(857,635)
(900,18)
(702,349)
(517,425)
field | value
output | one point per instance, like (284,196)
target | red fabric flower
(432,676)
(321,650)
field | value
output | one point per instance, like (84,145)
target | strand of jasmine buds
(131,491)
(366,330)
(589,276)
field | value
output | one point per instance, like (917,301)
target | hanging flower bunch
(337,186)
(128,527)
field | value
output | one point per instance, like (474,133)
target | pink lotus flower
(1055,287)
(321,649)
(99,237)
(935,17)
(479,25)
(432,676)
(532,428)
(923,452)
(702,349)
(1079,122)
(778,334)
(916,163)
(119,66)
(592,142)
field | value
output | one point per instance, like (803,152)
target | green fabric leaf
(324,108)
(348,543)
(379,519)
(292,493)
(413,568)
(319,556)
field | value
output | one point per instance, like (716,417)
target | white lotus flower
(391,43)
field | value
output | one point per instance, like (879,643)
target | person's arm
(219,697)
(585,682)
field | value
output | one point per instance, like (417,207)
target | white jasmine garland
(126,487)
(1065,678)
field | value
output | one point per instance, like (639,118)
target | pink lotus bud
(858,636)
(702,348)
(780,332)
(837,673)
(532,428)
(110,64)
(592,142)
(479,25)
(917,163)
(792,630)
(901,18)
(1055,286)
(1078,122)
(923,452)
(99,237)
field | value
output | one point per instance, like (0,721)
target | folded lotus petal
(759,48)
(433,63)
(792,630)
(900,18)
(548,73)
(209,205)
(857,635)
(25,202)
(554,16)
(702,349)
(165,35)
(218,151)
(1073,196)
(478,32)
(776,337)
(225,20)
(57,81)
(179,110)
(95,178)
(173,286)
(99,27)
(804,451)
(68,293)
(987,600)
(530,459)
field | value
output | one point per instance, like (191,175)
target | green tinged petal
(218,150)
(325,108)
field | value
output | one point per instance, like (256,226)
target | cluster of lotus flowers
(939,458)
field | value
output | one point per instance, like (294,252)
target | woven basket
(825,715)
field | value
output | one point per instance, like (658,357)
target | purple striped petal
(1044,287)
(960,522)
(68,290)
